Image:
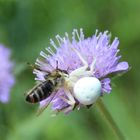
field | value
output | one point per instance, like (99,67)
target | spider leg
(70,100)
(82,69)
(85,67)
(80,56)
(92,66)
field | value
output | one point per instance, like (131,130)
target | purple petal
(106,88)
(122,66)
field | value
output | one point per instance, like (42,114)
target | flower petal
(122,66)
(106,88)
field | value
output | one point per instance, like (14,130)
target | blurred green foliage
(26,26)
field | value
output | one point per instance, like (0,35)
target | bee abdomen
(41,92)
(47,88)
(33,98)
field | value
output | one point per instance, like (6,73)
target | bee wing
(42,108)
(31,90)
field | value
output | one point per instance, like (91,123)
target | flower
(6,77)
(97,51)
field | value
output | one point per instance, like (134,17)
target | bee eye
(46,76)
(65,71)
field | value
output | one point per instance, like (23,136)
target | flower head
(96,53)
(6,77)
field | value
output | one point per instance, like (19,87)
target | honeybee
(53,81)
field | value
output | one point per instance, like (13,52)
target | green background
(27,25)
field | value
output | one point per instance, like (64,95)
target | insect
(53,81)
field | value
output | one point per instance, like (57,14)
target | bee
(53,81)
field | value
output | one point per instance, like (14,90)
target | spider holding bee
(58,78)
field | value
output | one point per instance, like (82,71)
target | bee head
(60,72)
(56,73)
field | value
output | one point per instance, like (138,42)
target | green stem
(107,116)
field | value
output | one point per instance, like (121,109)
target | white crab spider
(81,83)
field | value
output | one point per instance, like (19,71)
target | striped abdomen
(40,92)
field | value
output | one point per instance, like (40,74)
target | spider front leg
(80,56)
(82,69)
(92,66)
(71,101)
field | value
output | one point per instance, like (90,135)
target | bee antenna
(56,64)
(31,65)
(35,67)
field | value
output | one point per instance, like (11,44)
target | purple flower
(99,53)
(6,77)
